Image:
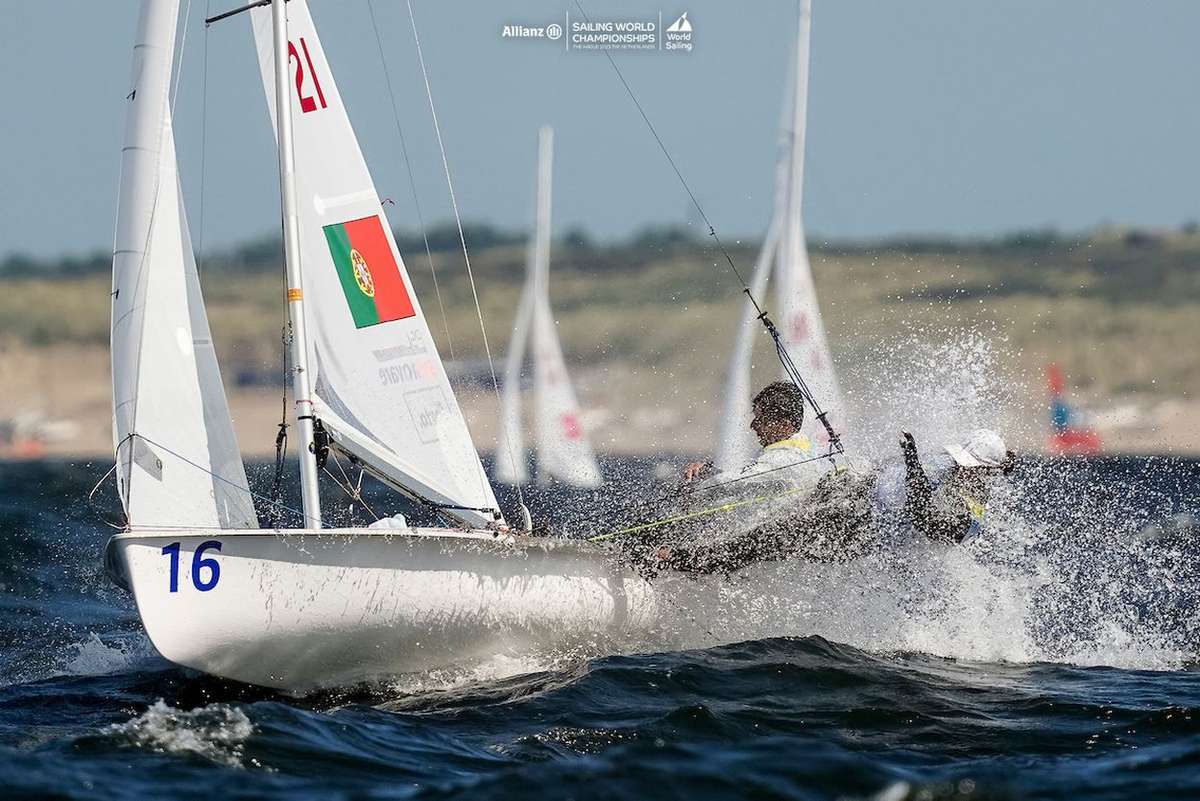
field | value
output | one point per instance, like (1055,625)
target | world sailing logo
(678,35)
(680,25)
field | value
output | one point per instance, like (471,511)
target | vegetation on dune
(1118,308)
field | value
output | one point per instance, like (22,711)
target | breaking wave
(217,732)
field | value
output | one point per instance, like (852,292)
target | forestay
(381,389)
(178,462)
(786,255)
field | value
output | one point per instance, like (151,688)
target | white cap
(985,448)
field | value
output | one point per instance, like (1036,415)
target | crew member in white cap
(954,508)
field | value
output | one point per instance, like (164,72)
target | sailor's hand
(696,471)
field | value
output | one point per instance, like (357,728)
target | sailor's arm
(926,517)
(918,490)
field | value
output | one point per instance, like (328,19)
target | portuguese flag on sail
(368,272)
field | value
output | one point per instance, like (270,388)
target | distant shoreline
(647,328)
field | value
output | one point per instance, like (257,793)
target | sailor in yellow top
(762,512)
(788,456)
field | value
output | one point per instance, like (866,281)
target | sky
(957,117)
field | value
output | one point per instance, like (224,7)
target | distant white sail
(736,443)
(381,389)
(799,319)
(563,451)
(510,446)
(178,462)
(784,254)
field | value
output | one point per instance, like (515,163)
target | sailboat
(784,256)
(299,609)
(1070,433)
(564,453)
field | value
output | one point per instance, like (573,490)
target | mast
(800,111)
(301,387)
(541,241)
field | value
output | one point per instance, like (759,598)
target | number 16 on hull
(206,571)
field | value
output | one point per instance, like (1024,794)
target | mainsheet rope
(712,510)
(692,492)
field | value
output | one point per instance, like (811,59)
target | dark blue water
(87,710)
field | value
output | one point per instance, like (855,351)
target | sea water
(1052,658)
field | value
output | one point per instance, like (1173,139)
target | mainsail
(563,450)
(178,462)
(785,254)
(380,387)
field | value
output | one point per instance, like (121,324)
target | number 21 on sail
(307,103)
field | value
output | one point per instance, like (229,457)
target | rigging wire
(789,366)
(695,491)
(412,184)
(437,128)
(354,493)
(712,231)
(91,499)
(728,506)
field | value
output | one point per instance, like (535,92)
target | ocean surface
(1056,657)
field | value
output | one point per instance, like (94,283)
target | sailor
(788,456)
(952,506)
(795,472)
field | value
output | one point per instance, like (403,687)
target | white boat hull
(303,609)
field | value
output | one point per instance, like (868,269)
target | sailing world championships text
(631,34)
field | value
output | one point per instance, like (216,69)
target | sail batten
(379,385)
